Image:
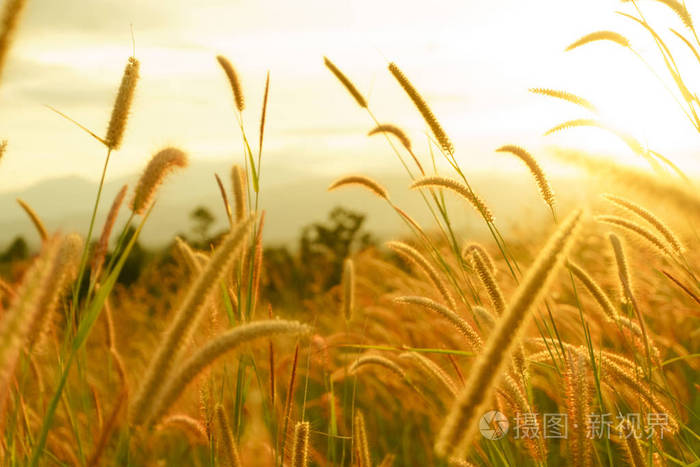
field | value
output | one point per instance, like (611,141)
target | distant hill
(290,198)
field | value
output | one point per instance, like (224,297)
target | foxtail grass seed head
(494,291)
(300,449)
(363,181)
(8,26)
(623,272)
(208,353)
(392,130)
(638,230)
(3,148)
(459,188)
(103,242)
(413,256)
(459,428)
(162,163)
(433,370)
(348,288)
(187,316)
(474,248)
(360,442)
(122,105)
(240,190)
(578,408)
(595,290)
(228,443)
(535,169)
(648,216)
(345,81)
(566,96)
(600,36)
(423,108)
(233,81)
(679,9)
(36,220)
(457,321)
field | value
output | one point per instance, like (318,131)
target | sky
(472,60)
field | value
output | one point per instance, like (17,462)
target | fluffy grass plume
(566,96)
(228,443)
(238,182)
(458,430)
(233,81)
(171,388)
(459,188)
(186,317)
(578,408)
(300,448)
(36,220)
(380,361)
(103,243)
(648,216)
(163,162)
(345,81)
(535,169)
(433,370)
(489,282)
(476,248)
(600,36)
(679,9)
(423,108)
(122,105)
(360,442)
(595,290)
(348,288)
(392,130)
(10,20)
(363,181)
(637,229)
(457,321)
(413,256)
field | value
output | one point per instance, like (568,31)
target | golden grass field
(581,332)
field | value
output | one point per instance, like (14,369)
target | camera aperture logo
(493,425)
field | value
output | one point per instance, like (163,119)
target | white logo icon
(493,425)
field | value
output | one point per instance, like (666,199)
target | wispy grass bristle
(161,164)
(345,81)
(600,36)
(36,220)
(459,188)
(122,105)
(392,130)
(233,80)
(639,230)
(363,181)
(535,169)
(300,448)
(228,442)
(566,96)
(422,106)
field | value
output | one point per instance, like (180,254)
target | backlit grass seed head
(10,20)
(566,96)
(3,148)
(345,81)
(433,370)
(638,230)
(228,443)
(459,428)
(233,81)
(476,248)
(348,288)
(578,408)
(300,449)
(457,321)
(36,220)
(494,291)
(600,36)
(238,181)
(122,105)
(595,290)
(103,242)
(392,130)
(535,169)
(171,388)
(187,316)
(648,216)
(423,108)
(162,163)
(363,181)
(679,9)
(361,443)
(459,188)
(413,256)
(377,360)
